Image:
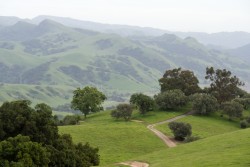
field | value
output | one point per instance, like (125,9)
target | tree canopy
(122,111)
(177,78)
(223,86)
(204,103)
(180,130)
(43,146)
(171,99)
(143,102)
(87,100)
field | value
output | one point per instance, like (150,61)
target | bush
(243,124)
(70,120)
(180,130)
(122,111)
(204,103)
(143,102)
(232,109)
(171,99)
(191,139)
(243,101)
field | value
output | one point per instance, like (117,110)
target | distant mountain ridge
(226,40)
(46,61)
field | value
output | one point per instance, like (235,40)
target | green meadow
(120,141)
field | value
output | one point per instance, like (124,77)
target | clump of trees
(143,102)
(180,130)
(87,100)
(183,80)
(70,120)
(171,99)
(122,111)
(223,86)
(233,109)
(29,137)
(204,104)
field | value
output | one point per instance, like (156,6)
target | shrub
(204,103)
(232,109)
(71,120)
(243,124)
(171,99)
(191,138)
(122,111)
(143,102)
(243,101)
(180,130)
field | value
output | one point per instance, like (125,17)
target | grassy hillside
(117,140)
(121,141)
(57,56)
(205,126)
(230,149)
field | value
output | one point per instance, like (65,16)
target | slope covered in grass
(205,126)
(117,140)
(230,149)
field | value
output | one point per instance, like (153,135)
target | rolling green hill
(222,142)
(230,149)
(52,55)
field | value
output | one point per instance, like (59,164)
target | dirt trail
(135,164)
(165,138)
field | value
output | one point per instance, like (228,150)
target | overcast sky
(174,15)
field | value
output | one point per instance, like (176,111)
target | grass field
(120,141)
(205,126)
(230,149)
(117,140)
(157,116)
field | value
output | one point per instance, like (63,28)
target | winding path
(165,138)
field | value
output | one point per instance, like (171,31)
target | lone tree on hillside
(122,111)
(143,102)
(87,100)
(177,78)
(223,86)
(171,99)
(180,130)
(204,103)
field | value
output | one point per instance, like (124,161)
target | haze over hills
(225,40)
(46,60)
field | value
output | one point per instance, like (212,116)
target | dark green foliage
(171,99)
(184,80)
(204,103)
(232,109)
(143,102)
(70,120)
(10,74)
(191,138)
(36,74)
(78,74)
(87,100)
(223,86)
(243,101)
(243,124)
(139,55)
(180,130)
(66,153)
(122,111)
(20,151)
(18,117)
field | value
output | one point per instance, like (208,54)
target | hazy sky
(174,15)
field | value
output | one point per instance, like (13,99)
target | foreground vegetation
(117,140)
(228,149)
